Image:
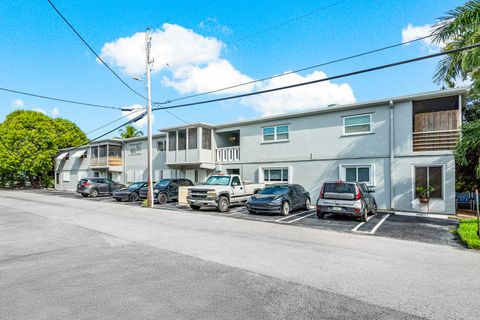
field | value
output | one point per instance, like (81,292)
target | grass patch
(467,231)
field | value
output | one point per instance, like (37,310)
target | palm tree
(130,132)
(459,28)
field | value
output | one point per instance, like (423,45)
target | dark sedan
(130,193)
(166,189)
(279,198)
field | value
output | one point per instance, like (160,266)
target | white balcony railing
(228,154)
(435,140)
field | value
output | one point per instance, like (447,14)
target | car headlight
(211,193)
(156,191)
(279,200)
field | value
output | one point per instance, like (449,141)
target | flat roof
(320,110)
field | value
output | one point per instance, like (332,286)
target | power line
(58,99)
(107,124)
(385,66)
(300,70)
(95,53)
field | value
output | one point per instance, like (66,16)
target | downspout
(124,163)
(392,157)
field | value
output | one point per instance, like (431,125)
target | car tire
(320,215)
(285,210)
(196,208)
(223,204)
(118,199)
(133,197)
(252,211)
(307,204)
(93,193)
(374,209)
(162,198)
(364,216)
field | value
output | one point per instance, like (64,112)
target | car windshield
(162,183)
(339,187)
(135,185)
(218,181)
(275,190)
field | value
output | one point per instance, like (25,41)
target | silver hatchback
(346,198)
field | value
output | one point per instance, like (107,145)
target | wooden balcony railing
(106,162)
(228,154)
(435,140)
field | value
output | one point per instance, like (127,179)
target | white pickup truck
(221,191)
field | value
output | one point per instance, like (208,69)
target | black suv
(94,187)
(166,189)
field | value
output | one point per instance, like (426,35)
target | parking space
(392,225)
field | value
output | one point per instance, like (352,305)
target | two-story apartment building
(393,145)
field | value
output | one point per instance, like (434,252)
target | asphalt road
(72,259)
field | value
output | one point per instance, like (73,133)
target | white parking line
(308,215)
(361,224)
(379,224)
(288,217)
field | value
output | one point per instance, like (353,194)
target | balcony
(106,162)
(228,154)
(440,140)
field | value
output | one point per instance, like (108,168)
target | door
(103,186)
(294,197)
(366,195)
(173,189)
(237,189)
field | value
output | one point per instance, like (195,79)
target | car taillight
(358,195)
(321,193)
(85,184)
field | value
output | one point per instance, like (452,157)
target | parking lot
(386,224)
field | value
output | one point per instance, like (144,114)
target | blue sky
(207,45)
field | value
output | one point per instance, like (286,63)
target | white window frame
(139,149)
(275,139)
(65,176)
(281,175)
(371,177)
(357,116)
(427,165)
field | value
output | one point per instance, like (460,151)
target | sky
(204,45)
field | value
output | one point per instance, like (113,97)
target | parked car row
(221,191)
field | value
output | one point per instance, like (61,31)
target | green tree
(29,141)
(130,132)
(460,27)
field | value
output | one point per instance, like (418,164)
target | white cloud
(411,32)
(18,103)
(217,74)
(172,45)
(55,112)
(305,97)
(37,109)
(212,25)
(136,111)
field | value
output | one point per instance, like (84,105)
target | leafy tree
(460,28)
(29,141)
(130,132)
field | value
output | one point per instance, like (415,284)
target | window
(361,173)
(236,182)
(196,176)
(192,138)
(161,145)
(233,171)
(182,139)
(206,139)
(357,124)
(172,141)
(66,176)
(275,175)
(114,151)
(429,176)
(276,133)
(135,149)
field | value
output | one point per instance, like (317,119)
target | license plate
(336,209)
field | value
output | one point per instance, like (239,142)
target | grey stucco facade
(315,146)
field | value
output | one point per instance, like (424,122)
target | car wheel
(364,216)
(285,208)
(162,198)
(194,207)
(320,215)
(118,199)
(307,204)
(223,204)
(374,208)
(94,193)
(252,211)
(133,197)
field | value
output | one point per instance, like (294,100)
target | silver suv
(94,187)
(346,198)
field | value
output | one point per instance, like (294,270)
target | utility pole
(148,43)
